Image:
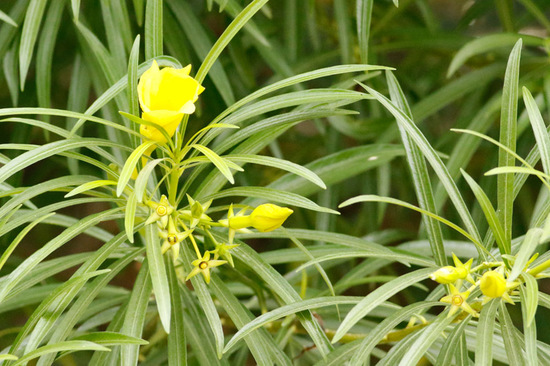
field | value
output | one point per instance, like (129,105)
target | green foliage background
(448,61)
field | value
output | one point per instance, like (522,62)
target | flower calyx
(458,301)
(160,212)
(172,238)
(196,213)
(203,265)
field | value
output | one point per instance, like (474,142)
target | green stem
(538,269)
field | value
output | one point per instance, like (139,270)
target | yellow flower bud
(493,284)
(165,96)
(446,275)
(268,217)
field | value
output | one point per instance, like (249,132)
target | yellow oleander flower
(264,218)
(449,274)
(445,275)
(493,285)
(165,96)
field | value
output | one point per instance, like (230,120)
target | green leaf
(131,91)
(258,341)
(425,339)
(8,357)
(20,236)
(530,299)
(452,343)
(364,17)
(420,174)
(287,310)
(528,310)
(159,278)
(487,44)
(60,347)
(490,214)
(226,37)
(7,19)
(33,18)
(75,6)
(374,198)
(130,216)
(280,164)
(508,135)
(65,325)
(45,52)
(216,160)
(110,338)
(511,344)
(434,160)
(130,165)
(485,330)
(271,195)
(89,186)
(377,297)
(143,177)
(30,262)
(528,246)
(286,292)
(177,345)
(199,40)
(539,129)
(135,314)
(153,29)
(384,327)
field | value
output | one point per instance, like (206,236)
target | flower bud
(268,217)
(446,275)
(493,284)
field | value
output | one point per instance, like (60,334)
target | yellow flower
(264,218)
(165,96)
(161,211)
(449,274)
(172,238)
(458,301)
(203,266)
(493,285)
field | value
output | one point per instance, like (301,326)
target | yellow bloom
(266,217)
(165,96)
(493,285)
(172,238)
(458,301)
(449,274)
(203,266)
(160,211)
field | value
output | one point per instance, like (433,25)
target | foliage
(142,215)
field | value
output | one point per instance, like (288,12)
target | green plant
(167,192)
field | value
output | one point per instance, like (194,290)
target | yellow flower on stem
(161,211)
(458,301)
(493,285)
(165,96)
(203,266)
(172,238)
(449,274)
(264,218)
